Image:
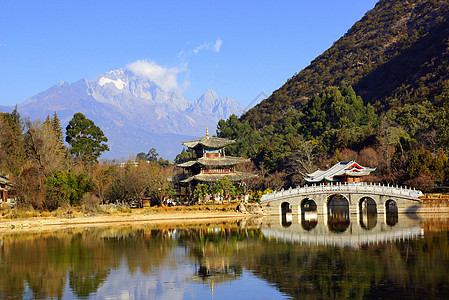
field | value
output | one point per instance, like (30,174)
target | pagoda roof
(235,176)
(209,142)
(342,168)
(205,161)
(5,183)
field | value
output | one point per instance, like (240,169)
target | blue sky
(237,48)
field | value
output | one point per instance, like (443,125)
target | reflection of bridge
(354,235)
(356,196)
(354,240)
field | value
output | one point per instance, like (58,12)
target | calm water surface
(295,257)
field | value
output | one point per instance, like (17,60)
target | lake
(295,257)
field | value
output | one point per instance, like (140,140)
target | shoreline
(35,224)
(40,224)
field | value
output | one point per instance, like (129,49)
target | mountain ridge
(134,112)
(389,55)
(379,95)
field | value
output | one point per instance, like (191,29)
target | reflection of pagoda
(214,257)
(209,162)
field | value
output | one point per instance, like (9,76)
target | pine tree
(47,121)
(439,166)
(86,139)
(57,128)
(12,156)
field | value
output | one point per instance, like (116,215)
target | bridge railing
(362,187)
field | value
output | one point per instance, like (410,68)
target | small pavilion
(343,171)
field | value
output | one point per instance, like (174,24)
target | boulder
(241,208)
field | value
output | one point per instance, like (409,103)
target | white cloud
(217,45)
(185,85)
(209,46)
(164,77)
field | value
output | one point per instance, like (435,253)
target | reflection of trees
(413,269)
(24,260)
(42,261)
(83,283)
(312,272)
(90,264)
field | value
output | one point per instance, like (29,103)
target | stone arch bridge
(357,197)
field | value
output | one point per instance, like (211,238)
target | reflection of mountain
(135,113)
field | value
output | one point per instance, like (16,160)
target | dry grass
(89,209)
(23,213)
(67,212)
(19,213)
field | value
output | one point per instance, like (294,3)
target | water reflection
(213,267)
(394,267)
(263,260)
(309,216)
(391,213)
(286,214)
(368,213)
(368,220)
(338,213)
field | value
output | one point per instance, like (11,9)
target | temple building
(209,162)
(5,187)
(344,171)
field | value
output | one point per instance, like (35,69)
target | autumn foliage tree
(12,150)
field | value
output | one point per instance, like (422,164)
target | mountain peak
(119,83)
(134,112)
(210,94)
(210,101)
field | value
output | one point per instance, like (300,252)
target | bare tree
(303,160)
(43,148)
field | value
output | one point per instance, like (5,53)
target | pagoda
(343,171)
(209,162)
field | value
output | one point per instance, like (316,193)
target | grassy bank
(81,211)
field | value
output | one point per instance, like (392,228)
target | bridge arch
(337,203)
(337,213)
(391,212)
(286,214)
(307,205)
(309,213)
(367,213)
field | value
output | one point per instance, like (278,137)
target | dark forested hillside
(397,53)
(380,95)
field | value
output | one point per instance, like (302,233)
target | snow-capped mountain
(135,113)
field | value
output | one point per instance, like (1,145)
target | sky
(240,49)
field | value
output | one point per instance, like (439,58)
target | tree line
(48,174)
(407,144)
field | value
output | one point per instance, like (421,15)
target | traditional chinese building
(5,186)
(209,162)
(344,171)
